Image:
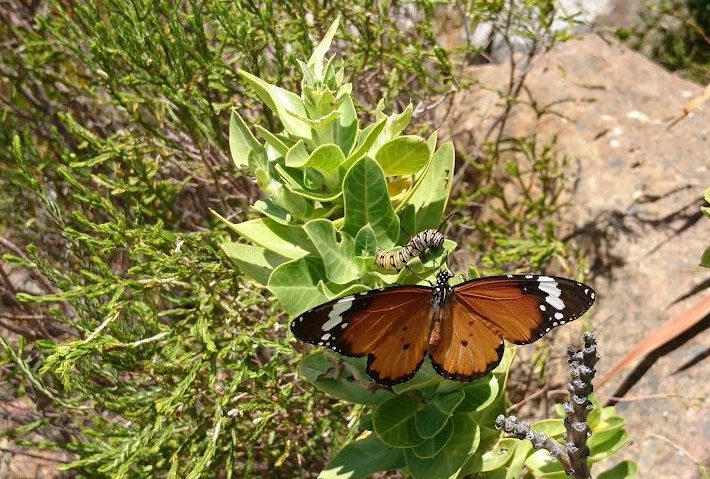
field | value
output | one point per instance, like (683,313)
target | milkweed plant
(334,191)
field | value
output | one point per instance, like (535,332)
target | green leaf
(326,159)
(425,377)
(258,164)
(362,458)
(316,61)
(542,464)
(489,437)
(272,140)
(295,284)
(328,373)
(396,123)
(288,241)
(463,443)
(316,196)
(296,205)
(367,138)
(337,256)
(287,106)
(273,211)
(404,155)
(347,125)
(705,260)
(297,155)
(255,262)
(604,445)
(394,422)
(433,445)
(623,470)
(479,395)
(333,290)
(436,412)
(365,242)
(500,455)
(549,427)
(367,202)
(517,462)
(431,141)
(241,141)
(427,201)
(488,414)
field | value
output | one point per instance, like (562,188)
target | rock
(634,207)
(20,462)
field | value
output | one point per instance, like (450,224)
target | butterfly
(460,327)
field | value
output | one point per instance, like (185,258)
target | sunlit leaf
(362,458)
(367,202)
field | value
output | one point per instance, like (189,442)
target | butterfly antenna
(446,220)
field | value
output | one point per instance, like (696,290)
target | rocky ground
(635,208)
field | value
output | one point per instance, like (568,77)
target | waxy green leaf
(404,155)
(367,202)
(337,255)
(287,105)
(362,458)
(394,422)
(295,284)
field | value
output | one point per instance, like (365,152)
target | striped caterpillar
(418,245)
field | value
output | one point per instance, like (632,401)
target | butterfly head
(443,277)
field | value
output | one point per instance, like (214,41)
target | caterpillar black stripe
(418,245)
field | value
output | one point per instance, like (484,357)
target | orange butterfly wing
(467,348)
(522,309)
(390,326)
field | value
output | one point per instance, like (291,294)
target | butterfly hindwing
(467,348)
(390,326)
(521,309)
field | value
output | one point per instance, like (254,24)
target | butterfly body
(460,327)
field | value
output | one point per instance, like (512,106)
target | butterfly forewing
(521,309)
(467,348)
(390,326)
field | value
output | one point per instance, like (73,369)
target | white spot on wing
(550,287)
(335,316)
(555,302)
(559,315)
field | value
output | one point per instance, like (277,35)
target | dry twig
(574,457)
